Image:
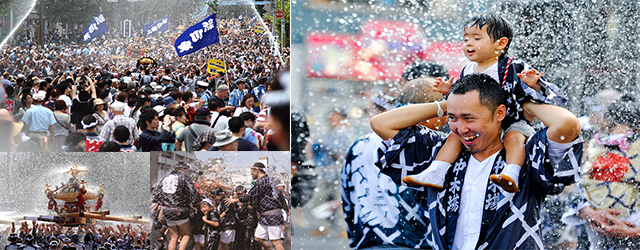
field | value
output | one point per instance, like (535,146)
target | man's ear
(500,113)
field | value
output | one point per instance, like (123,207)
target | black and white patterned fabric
(264,196)
(518,92)
(377,210)
(509,220)
(175,193)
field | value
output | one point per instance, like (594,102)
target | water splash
(33,5)
(275,45)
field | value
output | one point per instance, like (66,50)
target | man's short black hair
(109,146)
(9,90)
(491,93)
(121,133)
(146,116)
(497,28)
(236,124)
(214,104)
(246,116)
(260,167)
(88,119)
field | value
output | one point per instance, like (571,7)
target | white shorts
(198,238)
(268,232)
(173,223)
(227,236)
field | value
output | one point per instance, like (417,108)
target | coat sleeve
(552,178)
(409,152)
(549,92)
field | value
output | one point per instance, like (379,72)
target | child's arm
(212,223)
(530,77)
(442,86)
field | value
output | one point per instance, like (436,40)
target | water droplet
(562,137)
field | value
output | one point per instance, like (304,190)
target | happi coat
(509,220)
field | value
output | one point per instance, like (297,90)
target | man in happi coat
(470,211)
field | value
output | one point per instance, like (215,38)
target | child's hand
(442,86)
(530,77)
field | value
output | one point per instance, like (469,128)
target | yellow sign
(258,29)
(214,66)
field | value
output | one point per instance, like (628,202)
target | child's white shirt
(491,71)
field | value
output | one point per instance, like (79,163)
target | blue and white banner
(254,19)
(241,17)
(96,28)
(198,36)
(160,25)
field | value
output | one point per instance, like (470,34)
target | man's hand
(605,222)
(530,77)
(441,86)
(228,201)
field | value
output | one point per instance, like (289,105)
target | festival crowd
(200,218)
(135,94)
(51,236)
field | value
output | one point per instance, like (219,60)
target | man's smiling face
(474,124)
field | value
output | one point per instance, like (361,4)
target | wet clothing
(376,208)
(197,224)
(228,222)
(212,233)
(506,220)
(175,193)
(245,227)
(266,198)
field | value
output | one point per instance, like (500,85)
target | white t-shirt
(491,71)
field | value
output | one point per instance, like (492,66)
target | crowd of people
(102,96)
(235,218)
(51,236)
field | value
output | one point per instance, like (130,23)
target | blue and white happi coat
(378,211)
(509,220)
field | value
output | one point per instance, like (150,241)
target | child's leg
(433,176)
(514,145)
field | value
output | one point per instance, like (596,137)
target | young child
(121,134)
(197,227)
(486,41)
(211,221)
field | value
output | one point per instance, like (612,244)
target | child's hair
(109,146)
(497,28)
(121,133)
